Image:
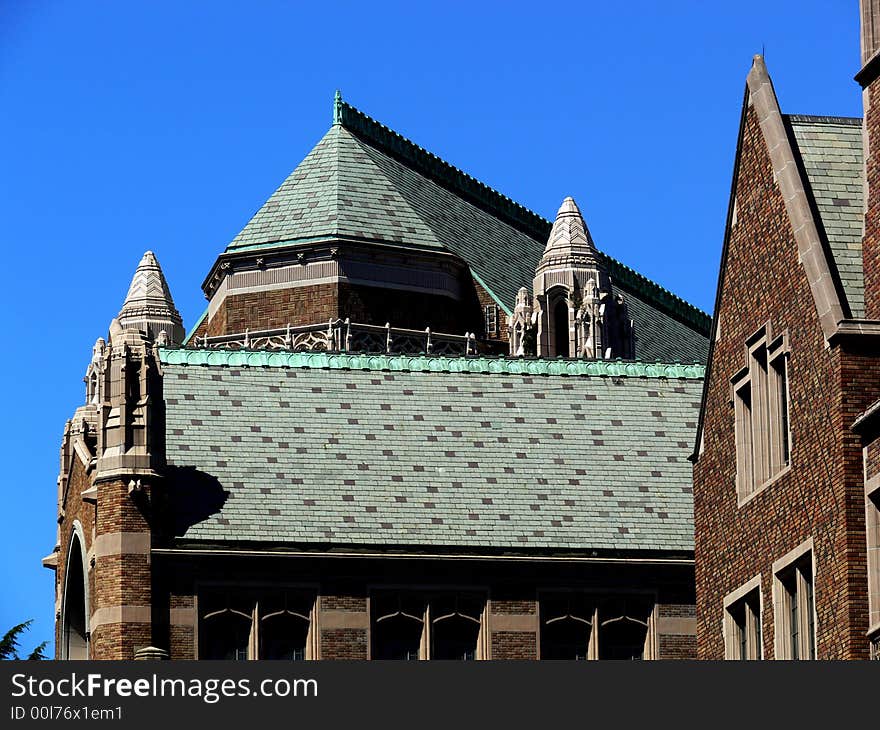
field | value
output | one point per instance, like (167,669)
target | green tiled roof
(317,451)
(365,181)
(831,150)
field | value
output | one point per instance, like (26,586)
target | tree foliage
(10,645)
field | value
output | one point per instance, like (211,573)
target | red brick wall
(182,638)
(872,458)
(343,644)
(344,603)
(514,606)
(871,242)
(363,304)
(272,309)
(485,300)
(674,646)
(821,496)
(514,645)
(507,644)
(120,580)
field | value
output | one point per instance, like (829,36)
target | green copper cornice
(423,363)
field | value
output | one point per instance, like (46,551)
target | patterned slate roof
(831,150)
(365,181)
(379,450)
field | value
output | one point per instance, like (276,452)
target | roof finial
(337,107)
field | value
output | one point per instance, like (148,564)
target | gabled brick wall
(821,495)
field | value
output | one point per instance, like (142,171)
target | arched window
(225,633)
(398,629)
(560,328)
(284,627)
(446,625)
(623,629)
(455,627)
(74,632)
(566,627)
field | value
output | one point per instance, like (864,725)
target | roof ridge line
(671,302)
(531,223)
(824,119)
(431,363)
(442,172)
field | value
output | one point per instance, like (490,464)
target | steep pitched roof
(491,454)
(831,151)
(365,181)
(814,160)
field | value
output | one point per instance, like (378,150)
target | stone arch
(75,600)
(558,322)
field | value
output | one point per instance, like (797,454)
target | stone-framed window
(415,625)
(760,393)
(582,626)
(257,624)
(794,605)
(872,524)
(490,317)
(75,636)
(742,622)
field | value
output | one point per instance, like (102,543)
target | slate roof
(831,151)
(483,454)
(364,181)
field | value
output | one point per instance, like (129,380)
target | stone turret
(575,310)
(128,389)
(148,307)
(521,325)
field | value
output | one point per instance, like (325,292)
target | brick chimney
(869,79)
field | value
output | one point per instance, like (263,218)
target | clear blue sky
(127,126)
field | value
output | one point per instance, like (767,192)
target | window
(872,522)
(560,328)
(411,626)
(490,314)
(794,605)
(580,626)
(566,627)
(74,635)
(742,622)
(257,625)
(761,413)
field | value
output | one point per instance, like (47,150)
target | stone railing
(345,336)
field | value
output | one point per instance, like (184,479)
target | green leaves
(9,644)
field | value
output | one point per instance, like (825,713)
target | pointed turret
(148,306)
(570,237)
(575,310)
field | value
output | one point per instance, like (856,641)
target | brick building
(377,443)
(786,469)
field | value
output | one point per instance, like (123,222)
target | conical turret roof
(148,305)
(570,236)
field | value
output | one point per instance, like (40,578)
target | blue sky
(165,125)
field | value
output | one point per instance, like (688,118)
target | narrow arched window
(398,628)
(284,627)
(225,633)
(74,635)
(560,328)
(455,627)
(566,627)
(623,629)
